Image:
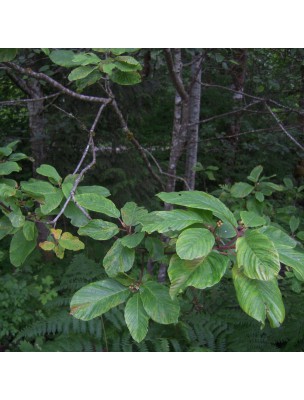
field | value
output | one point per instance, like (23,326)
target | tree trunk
(194,117)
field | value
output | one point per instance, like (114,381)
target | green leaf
(51,195)
(118,259)
(98,203)
(6,190)
(21,248)
(29,230)
(76,216)
(137,319)
(259,299)
(279,238)
(89,80)
(47,246)
(194,243)
(8,167)
(5,227)
(50,172)
(294,223)
(241,190)
(158,303)
(7,54)
(251,219)
(155,248)
(200,274)
(300,235)
(258,255)
(16,218)
(64,58)
(165,221)
(68,184)
(86,59)
(5,151)
(200,200)
(99,230)
(133,240)
(259,196)
(81,72)
(125,78)
(18,157)
(255,174)
(131,213)
(294,258)
(70,242)
(102,191)
(97,298)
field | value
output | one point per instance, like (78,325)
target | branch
(203,121)
(20,102)
(289,135)
(83,171)
(57,85)
(165,173)
(131,137)
(262,99)
(178,84)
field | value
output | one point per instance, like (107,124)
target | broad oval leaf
(76,216)
(165,221)
(257,254)
(21,248)
(259,299)
(200,274)
(29,230)
(70,242)
(200,200)
(241,189)
(278,237)
(194,243)
(131,213)
(255,174)
(251,219)
(99,230)
(50,172)
(8,167)
(136,318)
(158,303)
(294,258)
(97,298)
(64,58)
(98,203)
(7,54)
(125,78)
(81,72)
(118,259)
(133,240)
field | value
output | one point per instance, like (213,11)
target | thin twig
(52,82)
(83,171)
(165,173)
(21,102)
(289,135)
(262,99)
(130,136)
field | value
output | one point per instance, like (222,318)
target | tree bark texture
(194,117)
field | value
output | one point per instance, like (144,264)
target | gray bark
(194,117)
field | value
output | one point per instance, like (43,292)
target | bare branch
(22,102)
(178,84)
(289,135)
(83,171)
(130,136)
(204,121)
(165,173)
(52,82)
(261,99)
